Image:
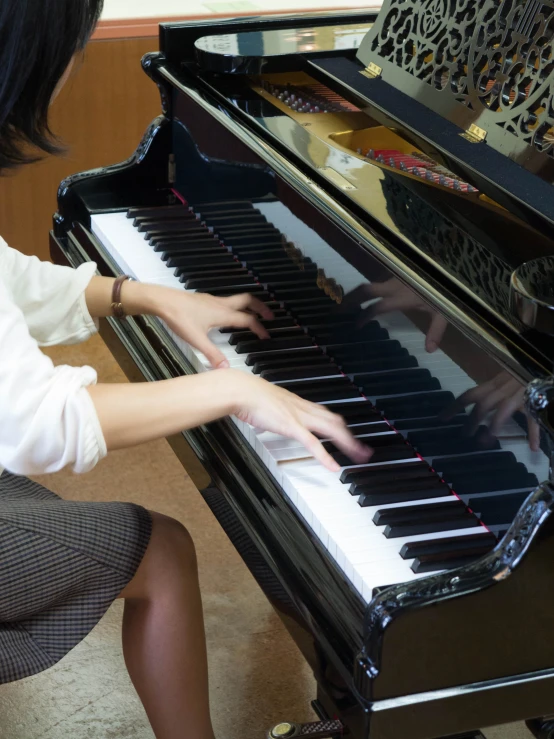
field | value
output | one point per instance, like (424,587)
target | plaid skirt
(62,564)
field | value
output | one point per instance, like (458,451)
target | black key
(162,211)
(210,282)
(434,489)
(192,262)
(394,531)
(385,449)
(415,485)
(299,373)
(460,445)
(294,355)
(252,287)
(233,269)
(223,211)
(215,256)
(256,243)
(450,466)
(320,391)
(385,440)
(425,512)
(436,564)
(277,263)
(433,422)
(279,321)
(303,282)
(411,406)
(361,412)
(320,302)
(374,379)
(222,205)
(378,365)
(264,345)
(186,215)
(385,474)
(478,482)
(363,429)
(175,225)
(278,333)
(471,544)
(277,272)
(288,293)
(369,350)
(495,510)
(179,246)
(261,232)
(238,220)
(193,234)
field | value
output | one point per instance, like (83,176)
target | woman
(63,563)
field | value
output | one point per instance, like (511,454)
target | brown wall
(101,116)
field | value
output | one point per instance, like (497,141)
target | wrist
(141,298)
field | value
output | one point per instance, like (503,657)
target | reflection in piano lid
(385,249)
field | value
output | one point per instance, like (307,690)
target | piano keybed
(431,498)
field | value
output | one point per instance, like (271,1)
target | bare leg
(163,635)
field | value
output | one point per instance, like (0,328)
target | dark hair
(38,39)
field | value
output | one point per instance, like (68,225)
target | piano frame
(371,671)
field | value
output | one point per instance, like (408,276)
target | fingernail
(431,346)
(224,364)
(335,467)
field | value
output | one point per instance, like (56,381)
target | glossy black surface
(368,667)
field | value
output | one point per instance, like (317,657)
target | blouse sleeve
(52,298)
(47,418)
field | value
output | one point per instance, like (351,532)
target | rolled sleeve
(48,419)
(51,297)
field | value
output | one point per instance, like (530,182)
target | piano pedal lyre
(316,730)
(542,728)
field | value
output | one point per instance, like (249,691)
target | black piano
(385,183)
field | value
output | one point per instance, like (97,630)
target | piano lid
(254,52)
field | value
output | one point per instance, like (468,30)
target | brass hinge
(474,134)
(372,71)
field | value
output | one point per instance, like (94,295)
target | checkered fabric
(62,564)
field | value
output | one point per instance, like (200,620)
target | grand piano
(384,183)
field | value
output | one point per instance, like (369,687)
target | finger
(505,411)
(534,433)
(460,404)
(315,447)
(214,356)
(341,437)
(483,407)
(237,319)
(245,301)
(435,333)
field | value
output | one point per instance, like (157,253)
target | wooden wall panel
(101,116)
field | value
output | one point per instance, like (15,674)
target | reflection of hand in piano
(192,315)
(393,296)
(502,397)
(271,408)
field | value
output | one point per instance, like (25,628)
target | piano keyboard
(395,518)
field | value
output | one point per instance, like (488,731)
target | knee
(171,542)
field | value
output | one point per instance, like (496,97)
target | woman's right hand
(272,408)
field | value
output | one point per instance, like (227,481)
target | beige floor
(257,675)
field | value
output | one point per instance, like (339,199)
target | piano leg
(542,728)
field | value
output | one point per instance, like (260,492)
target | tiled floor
(257,675)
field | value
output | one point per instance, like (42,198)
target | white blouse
(47,418)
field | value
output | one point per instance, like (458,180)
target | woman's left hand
(192,315)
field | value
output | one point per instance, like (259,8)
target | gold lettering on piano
(474,134)
(372,71)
